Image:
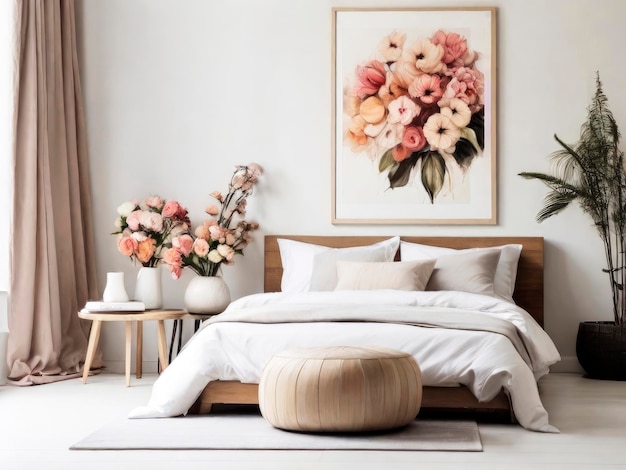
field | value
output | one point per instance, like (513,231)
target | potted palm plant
(592,174)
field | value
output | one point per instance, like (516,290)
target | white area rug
(251,431)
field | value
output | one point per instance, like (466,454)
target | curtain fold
(52,261)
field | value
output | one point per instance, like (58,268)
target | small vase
(207,295)
(115,291)
(148,288)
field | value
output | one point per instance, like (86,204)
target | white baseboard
(567,364)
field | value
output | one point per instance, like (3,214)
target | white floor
(38,424)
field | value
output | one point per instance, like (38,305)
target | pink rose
(413,138)
(170,209)
(200,247)
(126,245)
(155,202)
(133,220)
(184,243)
(152,221)
(172,257)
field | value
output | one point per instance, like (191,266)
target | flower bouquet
(418,105)
(218,239)
(145,229)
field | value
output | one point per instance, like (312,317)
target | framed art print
(414,116)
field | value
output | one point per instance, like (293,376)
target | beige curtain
(52,248)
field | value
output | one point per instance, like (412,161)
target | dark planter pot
(601,350)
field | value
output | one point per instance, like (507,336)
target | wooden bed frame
(435,400)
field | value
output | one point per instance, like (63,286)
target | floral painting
(414,104)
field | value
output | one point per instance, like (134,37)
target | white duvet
(457,338)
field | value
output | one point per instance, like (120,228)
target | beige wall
(179,91)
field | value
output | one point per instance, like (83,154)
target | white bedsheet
(236,344)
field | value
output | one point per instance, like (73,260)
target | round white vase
(148,288)
(207,295)
(115,291)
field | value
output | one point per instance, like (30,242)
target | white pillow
(407,275)
(471,271)
(324,275)
(506,272)
(305,269)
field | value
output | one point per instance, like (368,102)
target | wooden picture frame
(413,116)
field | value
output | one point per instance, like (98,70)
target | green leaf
(470,135)
(386,161)
(433,174)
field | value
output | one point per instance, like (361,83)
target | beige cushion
(506,272)
(324,275)
(472,271)
(408,275)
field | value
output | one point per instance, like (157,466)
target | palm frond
(592,173)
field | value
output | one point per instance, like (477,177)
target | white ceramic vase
(148,288)
(115,291)
(207,295)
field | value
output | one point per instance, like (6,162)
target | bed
(245,332)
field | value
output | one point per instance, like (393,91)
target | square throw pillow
(300,261)
(506,273)
(406,275)
(324,275)
(471,271)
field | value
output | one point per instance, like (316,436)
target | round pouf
(340,389)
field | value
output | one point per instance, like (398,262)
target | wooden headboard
(528,287)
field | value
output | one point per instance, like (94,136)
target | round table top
(146,315)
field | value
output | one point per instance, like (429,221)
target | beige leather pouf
(340,389)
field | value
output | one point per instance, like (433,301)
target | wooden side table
(129,317)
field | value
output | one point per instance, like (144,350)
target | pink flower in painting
(454,45)
(474,82)
(413,138)
(370,78)
(402,110)
(426,88)
(400,153)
